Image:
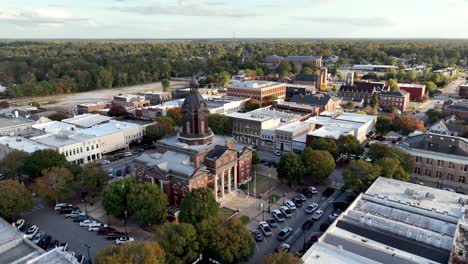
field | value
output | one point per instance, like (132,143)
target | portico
(225,181)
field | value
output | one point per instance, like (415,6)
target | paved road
(296,240)
(65,230)
(268,155)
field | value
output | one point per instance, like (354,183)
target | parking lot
(298,237)
(65,230)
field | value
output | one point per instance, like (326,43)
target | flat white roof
(87,120)
(294,126)
(374,66)
(327,121)
(22,144)
(411,85)
(264,114)
(54,126)
(62,138)
(111,127)
(345,116)
(331,131)
(169,161)
(322,253)
(252,84)
(12,122)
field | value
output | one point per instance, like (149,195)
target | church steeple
(195,130)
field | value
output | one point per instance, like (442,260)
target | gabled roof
(217,152)
(400,93)
(363,87)
(321,99)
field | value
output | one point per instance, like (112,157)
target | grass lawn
(224,212)
(244,219)
(263,184)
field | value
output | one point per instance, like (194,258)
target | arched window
(202,127)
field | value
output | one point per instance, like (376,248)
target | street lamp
(89,255)
(125,221)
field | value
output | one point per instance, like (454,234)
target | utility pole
(89,255)
(269,193)
(126,231)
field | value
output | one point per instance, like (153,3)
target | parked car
(283,248)
(95,227)
(302,197)
(19,223)
(334,215)
(68,209)
(105,230)
(128,154)
(80,218)
(312,189)
(123,240)
(449,190)
(324,227)
(105,162)
(265,228)
(53,244)
(88,222)
(278,215)
(340,205)
(307,225)
(298,202)
(63,246)
(25,227)
(317,214)
(328,192)
(37,237)
(61,205)
(290,204)
(307,193)
(31,231)
(277,152)
(257,235)
(74,213)
(311,208)
(114,235)
(284,233)
(44,242)
(286,212)
(272,222)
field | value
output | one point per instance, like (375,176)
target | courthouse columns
(216,186)
(222,184)
(229,180)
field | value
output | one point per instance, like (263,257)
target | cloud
(187,8)
(351,21)
(50,17)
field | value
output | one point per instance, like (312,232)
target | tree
(15,199)
(180,242)
(114,196)
(284,69)
(307,70)
(146,252)
(148,203)
(282,258)
(350,105)
(360,174)
(165,84)
(290,168)
(408,124)
(226,241)
(11,166)
(383,124)
(255,157)
(328,144)
(56,184)
(106,78)
(349,145)
(434,115)
(268,100)
(318,163)
(4,104)
(379,151)
(43,159)
(431,88)
(393,85)
(58,117)
(162,128)
(117,111)
(220,124)
(391,168)
(176,115)
(198,204)
(252,104)
(92,178)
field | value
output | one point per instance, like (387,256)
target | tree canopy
(148,203)
(146,252)
(349,145)
(12,165)
(252,104)
(360,174)
(198,204)
(43,159)
(56,184)
(318,164)
(92,178)
(180,242)
(290,168)
(323,143)
(115,196)
(220,124)
(282,258)
(15,199)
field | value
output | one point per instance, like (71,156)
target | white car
(317,214)
(448,189)
(31,232)
(286,212)
(277,152)
(265,228)
(311,208)
(95,227)
(74,213)
(128,154)
(104,162)
(312,189)
(291,205)
(88,222)
(60,205)
(123,240)
(19,223)
(278,215)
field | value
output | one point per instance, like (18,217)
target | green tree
(391,168)
(162,128)
(180,242)
(226,241)
(146,252)
(43,159)
(92,178)
(318,163)
(11,166)
(350,105)
(434,115)
(284,69)
(16,199)
(198,204)
(290,168)
(324,143)
(176,115)
(148,203)
(360,174)
(115,196)
(220,124)
(349,145)
(165,84)
(251,105)
(255,157)
(383,125)
(56,184)
(431,88)
(106,78)
(380,151)
(282,258)
(393,85)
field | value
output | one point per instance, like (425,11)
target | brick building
(416,91)
(91,108)
(457,108)
(256,89)
(324,101)
(361,90)
(463,91)
(400,100)
(131,100)
(195,158)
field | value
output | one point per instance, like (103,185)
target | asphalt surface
(65,230)
(298,236)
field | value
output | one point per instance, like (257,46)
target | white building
(7,144)
(87,120)
(53,126)
(396,222)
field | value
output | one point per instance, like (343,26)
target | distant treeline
(33,68)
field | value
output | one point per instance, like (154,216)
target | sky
(224,18)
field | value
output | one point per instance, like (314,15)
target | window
(465,168)
(92,146)
(87,148)
(450,176)
(429,161)
(418,159)
(74,152)
(440,163)
(417,170)
(451,165)
(427,173)
(439,175)
(461,179)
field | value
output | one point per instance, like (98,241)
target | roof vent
(430,196)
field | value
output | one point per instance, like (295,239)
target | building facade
(323,101)
(156,98)
(399,99)
(416,91)
(360,90)
(91,108)
(256,89)
(463,91)
(131,100)
(457,108)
